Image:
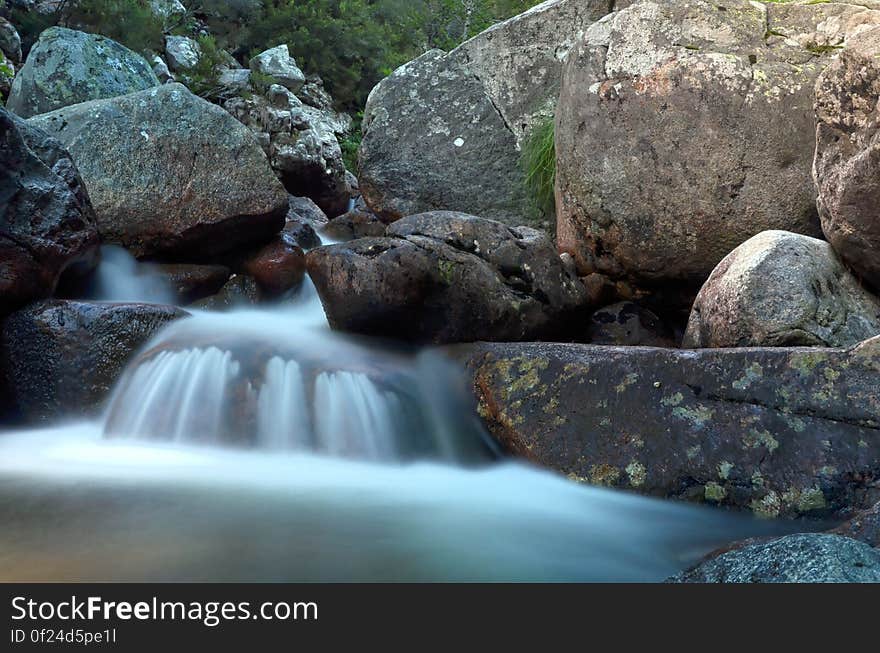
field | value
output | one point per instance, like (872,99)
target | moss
(714,492)
(755,439)
(724,469)
(604,474)
(768,507)
(637,473)
(753,373)
(673,400)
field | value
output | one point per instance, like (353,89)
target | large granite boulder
(447,277)
(783,432)
(445,131)
(66,67)
(811,558)
(47,226)
(169,173)
(280,66)
(302,143)
(182,53)
(847,166)
(61,358)
(685,127)
(780,289)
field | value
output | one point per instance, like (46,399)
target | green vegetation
(203,79)
(539,164)
(352,143)
(351,44)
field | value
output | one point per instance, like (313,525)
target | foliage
(351,143)
(131,22)
(539,163)
(203,78)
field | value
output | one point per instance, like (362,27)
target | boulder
(304,209)
(169,173)
(161,70)
(445,131)
(812,558)
(685,127)
(190,281)
(61,358)
(447,277)
(865,526)
(66,67)
(355,224)
(628,324)
(10,41)
(782,432)
(167,8)
(780,289)
(239,292)
(47,225)
(847,165)
(301,143)
(280,66)
(182,53)
(277,267)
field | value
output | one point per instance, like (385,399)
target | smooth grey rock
(67,67)
(780,289)
(278,64)
(182,53)
(812,558)
(170,173)
(10,41)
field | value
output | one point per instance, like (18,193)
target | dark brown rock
(61,358)
(47,226)
(355,224)
(628,324)
(784,432)
(447,277)
(864,527)
(277,267)
(190,281)
(240,291)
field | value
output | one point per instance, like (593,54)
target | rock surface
(445,130)
(447,277)
(865,527)
(811,558)
(169,173)
(47,226)
(10,41)
(355,224)
(191,281)
(182,53)
(847,166)
(66,67)
(280,66)
(784,432)
(628,324)
(277,267)
(301,143)
(780,289)
(685,127)
(61,358)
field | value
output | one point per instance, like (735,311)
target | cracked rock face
(847,166)
(445,130)
(685,127)
(169,173)
(447,277)
(808,558)
(66,67)
(780,289)
(782,432)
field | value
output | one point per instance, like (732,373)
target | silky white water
(260,446)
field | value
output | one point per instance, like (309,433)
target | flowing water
(261,446)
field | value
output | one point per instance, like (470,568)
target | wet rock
(780,289)
(864,527)
(783,432)
(302,234)
(169,173)
(277,267)
(447,277)
(239,292)
(445,131)
(61,358)
(628,324)
(280,66)
(847,167)
(685,127)
(190,281)
(66,67)
(47,225)
(305,209)
(812,558)
(355,224)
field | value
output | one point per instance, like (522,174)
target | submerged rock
(783,432)
(847,168)
(447,277)
(169,173)
(812,558)
(445,131)
(47,225)
(780,289)
(66,67)
(61,358)
(685,127)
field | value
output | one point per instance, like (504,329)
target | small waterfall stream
(261,446)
